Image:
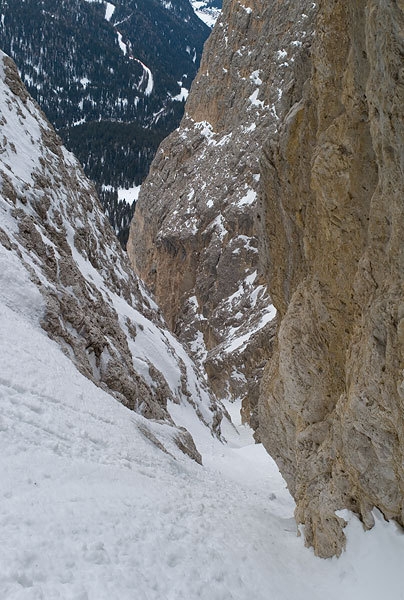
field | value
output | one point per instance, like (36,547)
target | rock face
(194,235)
(94,306)
(332,399)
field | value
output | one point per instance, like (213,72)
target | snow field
(130,195)
(206,13)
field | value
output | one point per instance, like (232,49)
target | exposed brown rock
(331,409)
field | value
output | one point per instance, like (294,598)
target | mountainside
(111,77)
(287,171)
(87,299)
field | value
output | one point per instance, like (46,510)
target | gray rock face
(95,307)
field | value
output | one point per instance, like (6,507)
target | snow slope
(90,509)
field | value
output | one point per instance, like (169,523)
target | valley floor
(90,509)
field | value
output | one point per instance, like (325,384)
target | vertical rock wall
(332,399)
(195,232)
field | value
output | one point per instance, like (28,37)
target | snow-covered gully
(90,509)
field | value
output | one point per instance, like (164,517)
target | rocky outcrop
(194,235)
(332,401)
(94,306)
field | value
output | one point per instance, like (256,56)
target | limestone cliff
(94,306)
(194,235)
(332,402)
